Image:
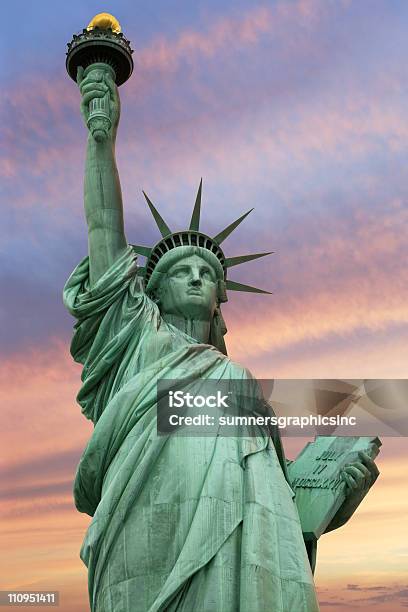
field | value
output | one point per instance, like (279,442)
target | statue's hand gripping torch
(97,85)
(100,54)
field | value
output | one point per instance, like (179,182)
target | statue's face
(189,289)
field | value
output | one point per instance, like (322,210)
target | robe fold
(186,524)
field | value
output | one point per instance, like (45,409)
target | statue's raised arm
(102,192)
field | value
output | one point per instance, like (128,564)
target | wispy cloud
(226,33)
(390,594)
(37,393)
(51,466)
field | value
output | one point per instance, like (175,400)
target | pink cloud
(227,33)
(51,98)
(37,392)
(166,55)
(223,138)
(316,316)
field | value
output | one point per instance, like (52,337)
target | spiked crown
(193,237)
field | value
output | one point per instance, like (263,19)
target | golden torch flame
(105,21)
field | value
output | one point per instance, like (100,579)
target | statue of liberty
(186,524)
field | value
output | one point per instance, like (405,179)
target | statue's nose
(195,278)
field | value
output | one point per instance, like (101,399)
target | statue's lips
(197,292)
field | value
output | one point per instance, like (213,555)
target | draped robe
(186,524)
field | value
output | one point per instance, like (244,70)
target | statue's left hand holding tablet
(359,477)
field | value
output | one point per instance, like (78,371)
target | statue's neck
(197,329)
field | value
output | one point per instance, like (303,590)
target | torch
(101,49)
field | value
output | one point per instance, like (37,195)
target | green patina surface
(186,524)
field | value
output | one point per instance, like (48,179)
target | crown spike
(233,286)
(195,217)
(236,261)
(141,250)
(230,228)
(160,222)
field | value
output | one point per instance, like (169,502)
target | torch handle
(99,120)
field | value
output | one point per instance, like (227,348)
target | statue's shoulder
(239,371)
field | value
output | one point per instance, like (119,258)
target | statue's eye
(180,272)
(207,274)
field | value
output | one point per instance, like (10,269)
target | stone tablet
(316,478)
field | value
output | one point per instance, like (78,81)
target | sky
(297,108)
